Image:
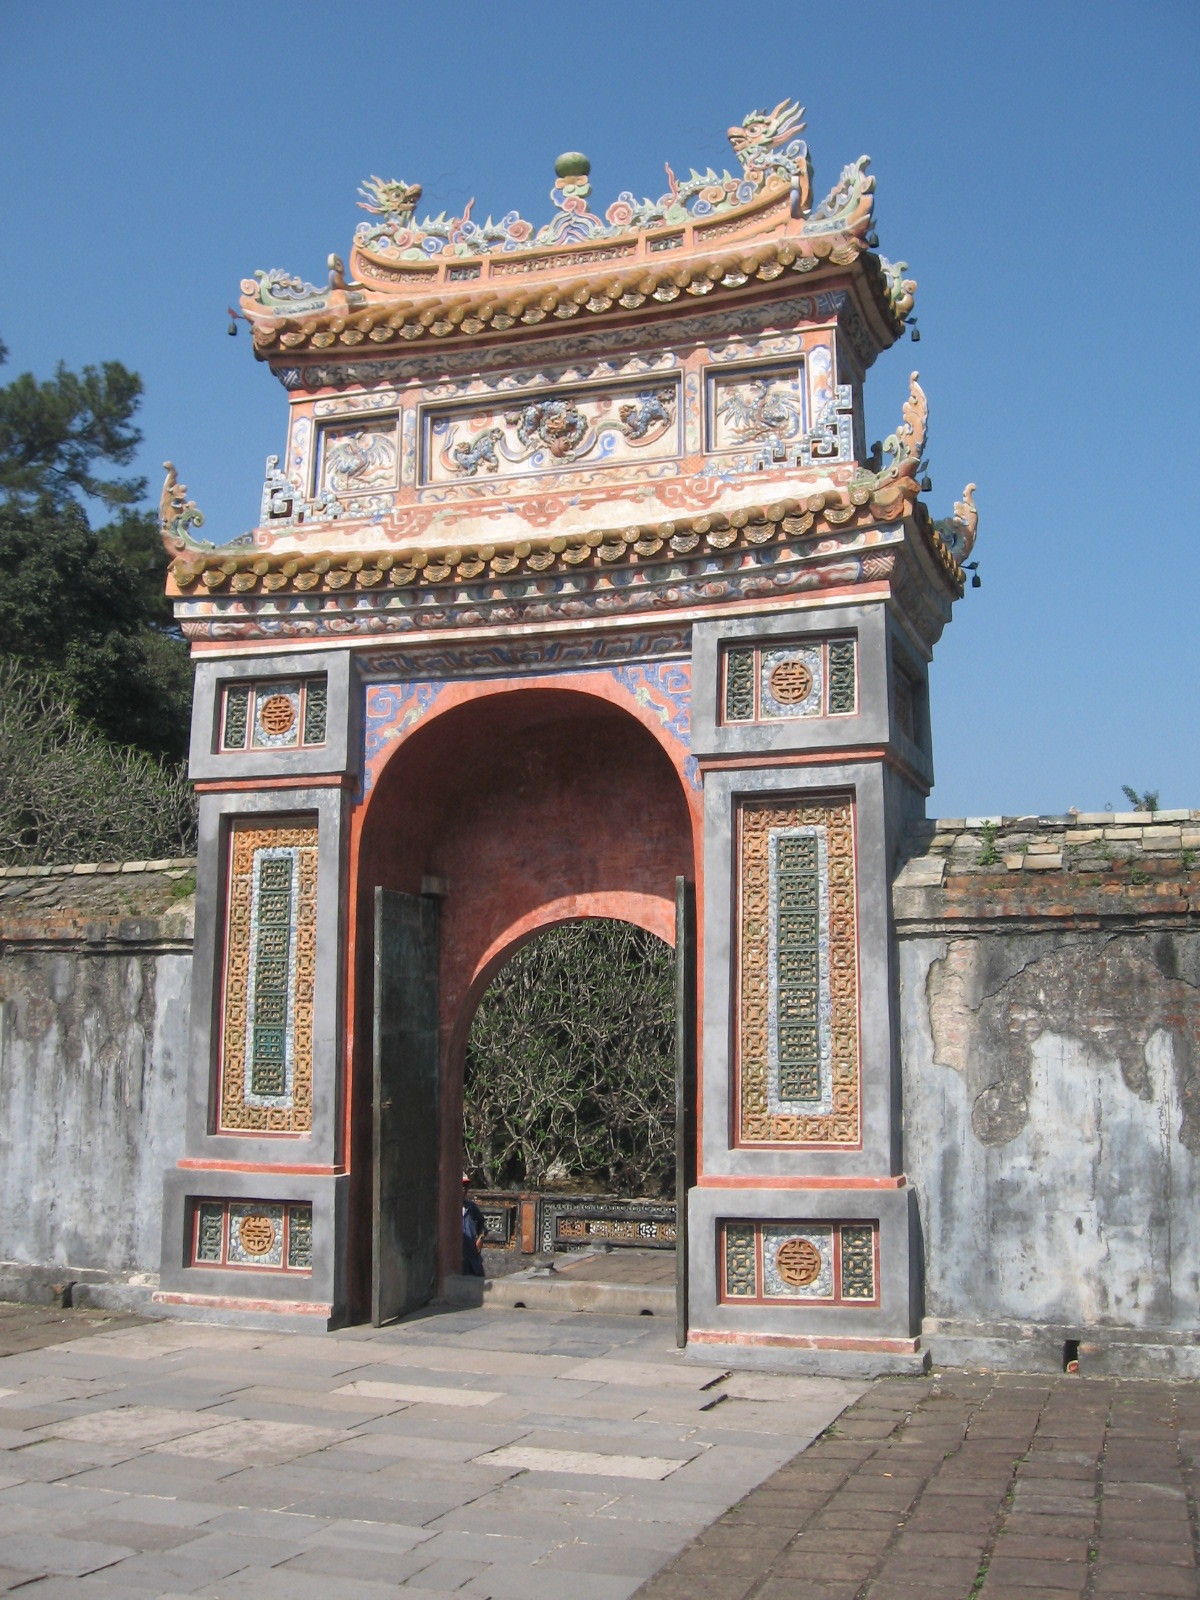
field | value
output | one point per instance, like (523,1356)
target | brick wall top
(106,905)
(1101,869)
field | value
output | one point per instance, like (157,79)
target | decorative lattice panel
(798,1071)
(778,683)
(272,715)
(266,1235)
(739,685)
(809,1263)
(843,701)
(270,960)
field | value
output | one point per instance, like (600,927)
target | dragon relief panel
(535,434)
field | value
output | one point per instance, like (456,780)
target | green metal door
(685,1089)
(404,1208)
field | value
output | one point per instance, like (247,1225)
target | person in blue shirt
(474,1231)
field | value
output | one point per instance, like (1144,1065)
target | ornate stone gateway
(575,580)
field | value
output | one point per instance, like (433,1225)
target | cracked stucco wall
(1052,1121)
(92,1059)
(95,990)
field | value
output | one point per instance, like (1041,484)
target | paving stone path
(499,1455)
(1001,1488)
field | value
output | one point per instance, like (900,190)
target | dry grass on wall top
(570,1077)
(68,794)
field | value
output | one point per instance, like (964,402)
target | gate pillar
(812,732)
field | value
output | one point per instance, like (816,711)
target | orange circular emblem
(791,682)
(798,1262)
(277,714)
(257,1235)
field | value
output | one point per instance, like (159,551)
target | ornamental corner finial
(390,198)
(176,513)
(964,525)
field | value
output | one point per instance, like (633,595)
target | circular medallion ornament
(791,682)
(257,1235)
(277,714)
(798,1262)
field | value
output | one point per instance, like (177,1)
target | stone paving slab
(500,1454)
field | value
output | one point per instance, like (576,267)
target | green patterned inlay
(268,1068)
(210,1230)
(300,1238)
(858,1263)
(841,677)
(739,685)
(237,716)
(741,1271)
(316,701)
(797,1020)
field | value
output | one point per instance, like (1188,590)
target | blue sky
(1036,167)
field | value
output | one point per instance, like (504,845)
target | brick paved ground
(1001,1487)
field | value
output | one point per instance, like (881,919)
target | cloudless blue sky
(1036,167)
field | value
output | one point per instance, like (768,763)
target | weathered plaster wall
(95,975)
(1051,1044)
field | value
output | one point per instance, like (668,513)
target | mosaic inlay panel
(570,1223)
(270,961)
(798,1044)
(621,426)
(810,1263)
(267,1235)
(274,715)
(775,684)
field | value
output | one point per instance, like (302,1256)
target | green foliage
(68,794)
(570,1077)
(70,607)
(133,538)
(1146,801)
(988,856)
(53,434)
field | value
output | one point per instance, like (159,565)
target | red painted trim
(803,1341)
(291,1170)
(318,780)
(768,1184)
(225,1302)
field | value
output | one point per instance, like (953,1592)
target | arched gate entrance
(575,580)
(503,811)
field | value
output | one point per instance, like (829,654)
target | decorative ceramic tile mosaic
(816,678)
(267,1235)
(791,682)
(798,1077)
(739,685)
(276,724)
(236,725)
(274,716)
(270,959)
(583,1220)
(255,1235)
(797,1265)
(810,1263)
(858,1262)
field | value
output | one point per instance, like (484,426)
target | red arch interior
(536,806)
